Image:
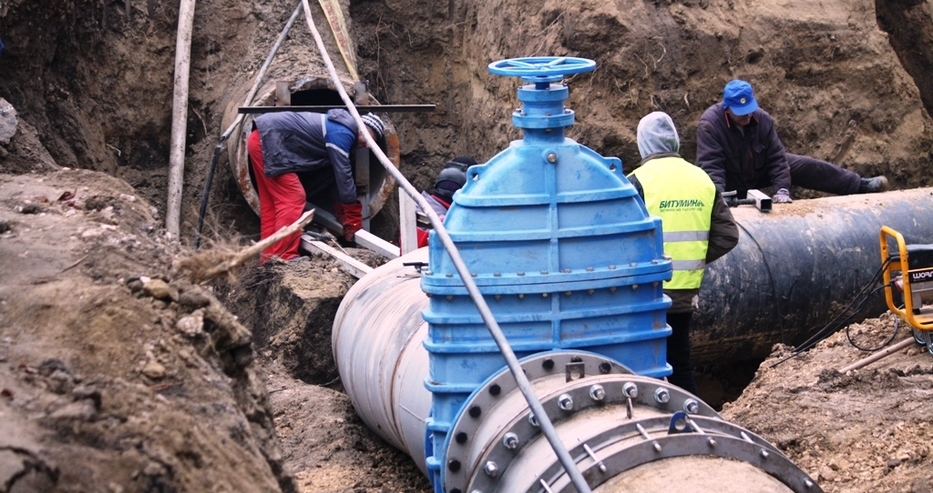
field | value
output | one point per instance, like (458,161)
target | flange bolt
(597,393)
(691,406)
(630,390)
(565,402)
(662,395)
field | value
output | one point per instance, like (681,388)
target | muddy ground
(117,374)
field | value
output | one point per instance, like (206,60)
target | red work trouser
(281,203)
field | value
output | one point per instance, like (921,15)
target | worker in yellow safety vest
(697,225)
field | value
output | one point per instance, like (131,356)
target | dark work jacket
(723,236)
(741,158)
(294,142)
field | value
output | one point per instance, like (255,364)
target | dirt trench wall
(111,378)
(825,71)
(911,33)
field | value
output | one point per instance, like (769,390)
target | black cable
(859,309)
(883,344)
(832,325)
(822,333)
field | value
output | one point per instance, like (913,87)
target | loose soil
(117,374)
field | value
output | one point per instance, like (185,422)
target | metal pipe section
(796,268)
(377,338)
(624,432)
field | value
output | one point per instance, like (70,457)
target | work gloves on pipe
(350,216)
(782,196)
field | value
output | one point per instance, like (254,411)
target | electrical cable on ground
(547,428)
(859,309)
(832,326)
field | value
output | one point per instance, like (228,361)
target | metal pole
(880,354)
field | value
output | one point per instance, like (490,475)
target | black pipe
(797,267)
(205,195)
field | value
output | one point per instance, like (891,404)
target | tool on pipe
(760,200)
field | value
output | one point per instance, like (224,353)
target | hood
(657,134)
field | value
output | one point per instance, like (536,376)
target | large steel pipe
(624,431)
(377,336)
(797,267)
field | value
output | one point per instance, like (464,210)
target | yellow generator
(909,270)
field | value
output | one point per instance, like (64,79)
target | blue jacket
(741,158)
(294,142)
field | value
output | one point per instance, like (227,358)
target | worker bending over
(317,145)
(697,225)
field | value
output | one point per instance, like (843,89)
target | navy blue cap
(739,97)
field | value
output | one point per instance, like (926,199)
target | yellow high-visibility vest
(682,195)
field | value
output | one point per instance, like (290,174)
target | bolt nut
(597,393)
(533,420)
(691,406)
(661,395)
(510,441)
(491,469)
(565,402)
(630,390)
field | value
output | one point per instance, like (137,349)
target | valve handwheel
(545,66)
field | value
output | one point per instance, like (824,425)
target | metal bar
(382,108)
(363,238)
(361,172)
(547,428)
(875,357)
(356,268)
(407,224)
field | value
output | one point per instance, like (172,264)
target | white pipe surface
(176,165)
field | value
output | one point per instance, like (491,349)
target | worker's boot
(872,185)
